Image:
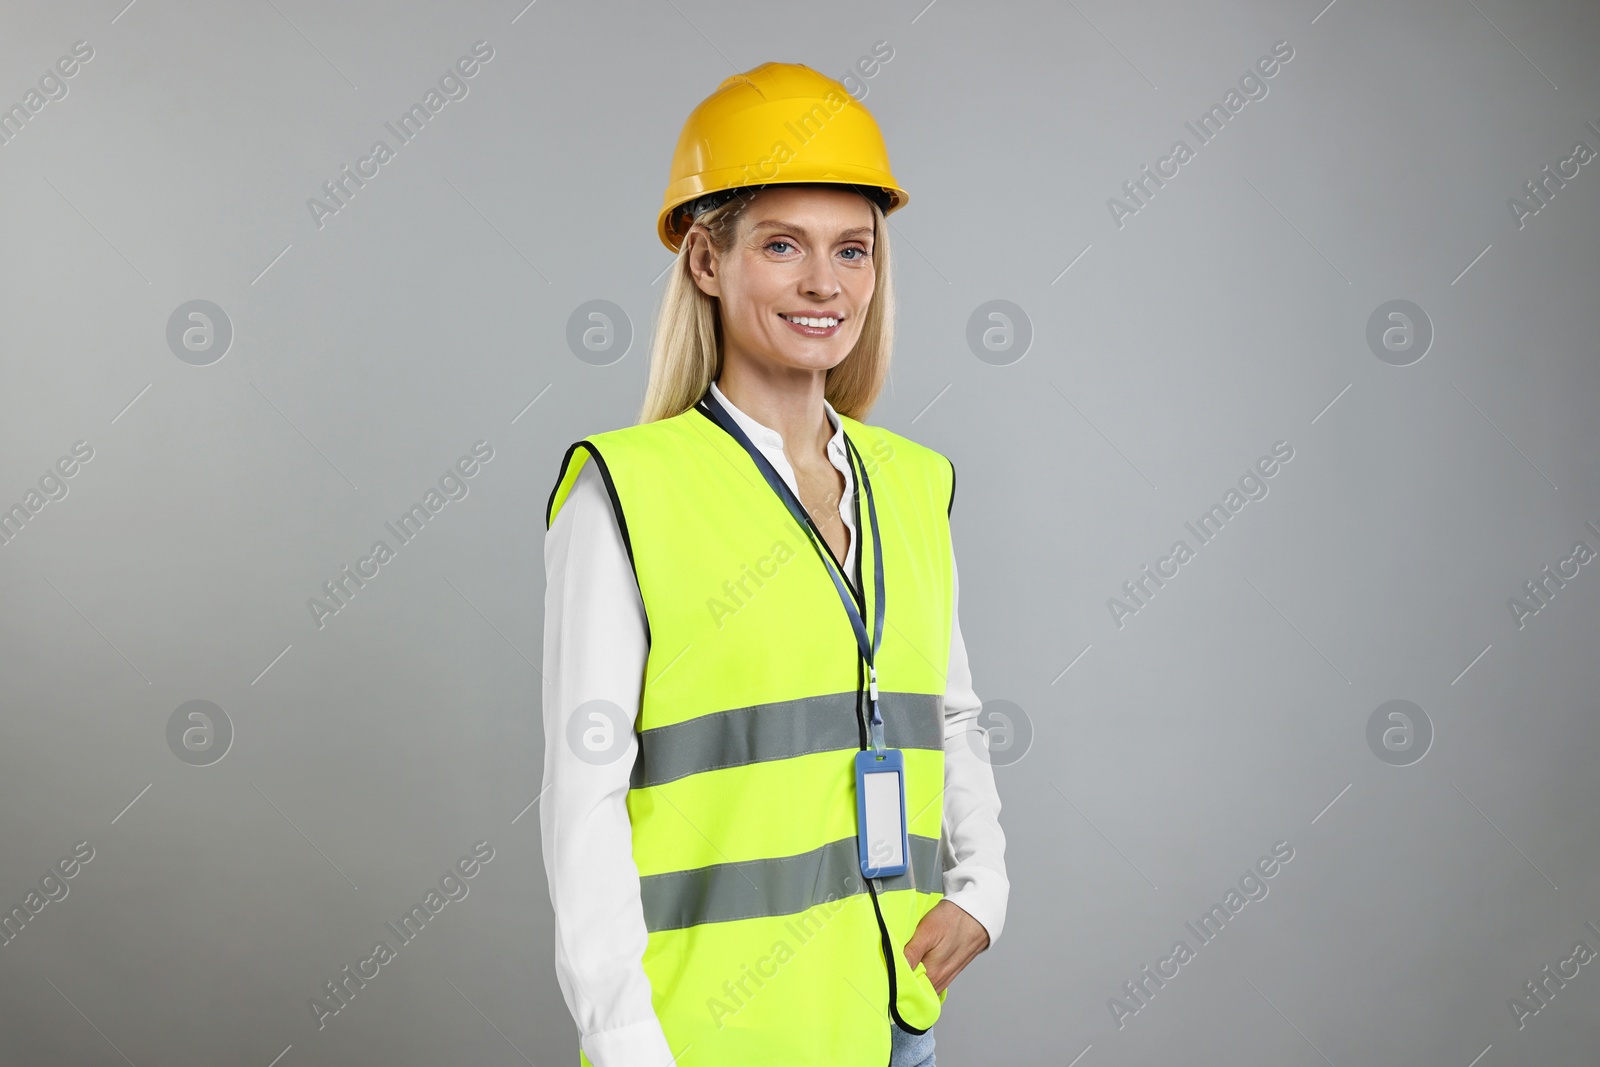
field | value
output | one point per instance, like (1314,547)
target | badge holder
(881,812)
(881,803)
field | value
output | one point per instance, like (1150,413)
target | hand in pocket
(946,940)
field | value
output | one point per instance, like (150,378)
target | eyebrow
(779,224)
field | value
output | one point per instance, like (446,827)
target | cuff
(641,1044)
(982,895)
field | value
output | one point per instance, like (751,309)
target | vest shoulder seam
(589,446)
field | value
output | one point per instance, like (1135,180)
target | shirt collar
(767,437)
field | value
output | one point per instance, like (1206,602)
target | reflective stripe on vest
(781,886)
(765,944)
(776,731)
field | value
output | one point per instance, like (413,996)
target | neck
(787,399)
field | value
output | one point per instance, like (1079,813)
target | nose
(820,280)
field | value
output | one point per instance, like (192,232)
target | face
(800,252)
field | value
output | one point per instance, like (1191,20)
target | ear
(703,262)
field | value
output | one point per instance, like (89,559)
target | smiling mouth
(813,325)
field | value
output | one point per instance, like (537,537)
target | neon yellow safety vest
(767,947)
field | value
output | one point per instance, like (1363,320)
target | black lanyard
(869,650)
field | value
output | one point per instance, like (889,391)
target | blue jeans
(910,1050)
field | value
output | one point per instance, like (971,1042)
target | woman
(741,677)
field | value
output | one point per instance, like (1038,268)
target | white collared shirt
(595,648)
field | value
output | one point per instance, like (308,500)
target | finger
(937,961)
(916,950)
(925,937)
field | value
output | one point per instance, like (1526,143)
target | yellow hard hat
(779,124)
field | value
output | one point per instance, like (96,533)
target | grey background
(1169,753)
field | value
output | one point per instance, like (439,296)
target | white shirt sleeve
(595,649)
(975,873)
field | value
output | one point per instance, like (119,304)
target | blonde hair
(686,351)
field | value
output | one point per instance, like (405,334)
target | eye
(769,244)
(864,253)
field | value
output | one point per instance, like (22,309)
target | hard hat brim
(671,225)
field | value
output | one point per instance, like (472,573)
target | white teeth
(822,323)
